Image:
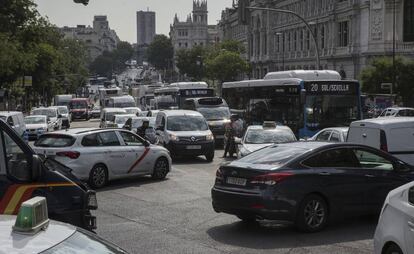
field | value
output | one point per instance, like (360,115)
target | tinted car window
(130,139)
(91,140)
(372,161)
(411,195)
(274,155)
(324,136)
(109,138)
(335,137)
(406,112)
(334,158)
(54,140)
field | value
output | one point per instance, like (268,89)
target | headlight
(210,137)
(174,137)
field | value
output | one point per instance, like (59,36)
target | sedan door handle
(370,176)
(325,174)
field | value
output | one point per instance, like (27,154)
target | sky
(122,13)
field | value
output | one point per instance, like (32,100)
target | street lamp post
(283,47)
(302,19)
(393,47)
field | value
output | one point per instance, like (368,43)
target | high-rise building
(145,27)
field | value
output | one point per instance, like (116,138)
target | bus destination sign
(331,87)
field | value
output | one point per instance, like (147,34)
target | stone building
(97,39)
(195,31)
(348,33)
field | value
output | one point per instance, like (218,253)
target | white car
(120,120)
(258,137)
(36,126)
(108,117)
(66,115)
(102,155)
(397,112)
(336,134)
(395,230)
(52,114)
(133,110)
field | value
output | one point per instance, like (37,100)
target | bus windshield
(323,111)
(219,113)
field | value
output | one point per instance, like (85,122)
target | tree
(381,71)
(121,54)
(191,62)
(160,52)
(102,65)
(226,66)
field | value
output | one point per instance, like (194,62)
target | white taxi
(31,231)
(101,155)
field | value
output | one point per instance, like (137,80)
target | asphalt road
(176,216)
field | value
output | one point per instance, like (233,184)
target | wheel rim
(314,214)
(161,168)
(99,176)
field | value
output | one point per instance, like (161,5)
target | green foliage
(381,71)
(109,62)
(190,62)
(226,66)
(160,52)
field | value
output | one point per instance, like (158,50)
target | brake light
(270,179)
(69,154)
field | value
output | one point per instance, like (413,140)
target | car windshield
(63,110)
(82,242)
(78,104)
(121,119)
(219,113)
(187,123)
(132,110)
(45,112)
(35,120)
(109,116)
(276,155)
(54,140)
(261,136)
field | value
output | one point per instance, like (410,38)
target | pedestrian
(229,136)
(141,130)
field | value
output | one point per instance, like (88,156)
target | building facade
(97,39)
(195,31)
(348,34)
(145,27)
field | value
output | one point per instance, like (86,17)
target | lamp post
(301,18)
(283,47)
(393,48)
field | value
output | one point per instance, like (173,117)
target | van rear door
(401,143)
(364,136)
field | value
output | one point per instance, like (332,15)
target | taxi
(31,231)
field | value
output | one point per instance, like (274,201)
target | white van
(393,135)
(185,133)
(14,120)
(108,117)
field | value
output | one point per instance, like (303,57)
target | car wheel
(393,249)
(160,169)
(210,156)
(312,214)
(98,177)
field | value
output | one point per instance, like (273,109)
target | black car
(308,183)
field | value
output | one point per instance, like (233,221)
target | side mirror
(37,167)
(401,166)
(411,195)
(59,116)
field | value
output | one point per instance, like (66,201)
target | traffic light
(244,13)
(84,2)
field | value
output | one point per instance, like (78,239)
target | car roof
(74,131)
(383,121)
(181,113)
(114,110)
(278,128)
(33,116)
(341,129)
(126,115)
(9,113)
(398,108)
(12,242)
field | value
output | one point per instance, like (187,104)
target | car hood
(189,133)
(254,147)
(217,122)
(36,126)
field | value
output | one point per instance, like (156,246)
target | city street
(176,216)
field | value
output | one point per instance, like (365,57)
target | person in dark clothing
(128,124)
(141,130)
(229,137)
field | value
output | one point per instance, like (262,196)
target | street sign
(28,81)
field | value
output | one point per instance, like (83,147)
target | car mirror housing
(37,167)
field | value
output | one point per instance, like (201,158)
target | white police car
(32,232)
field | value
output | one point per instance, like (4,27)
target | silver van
(15,120)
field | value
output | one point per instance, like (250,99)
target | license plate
(236,181)
(193,147)
(219,136)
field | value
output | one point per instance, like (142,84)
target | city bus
(175,94)
(306,101)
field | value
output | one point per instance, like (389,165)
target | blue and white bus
(306,101)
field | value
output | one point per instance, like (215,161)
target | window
(324,136)
(307,40)
(411,195)
(295,41)
(322,37)
(301,40)
(55,140)
(372,161)
(335,137)
(343,33)
(17,162)
(109,138)
(408,20)
(335,158)
(130,139)
(91,140)
(10,121)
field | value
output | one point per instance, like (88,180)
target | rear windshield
(54,140)
(45,112)
(276,155)
(78,105)
(187,123)
(269,136)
